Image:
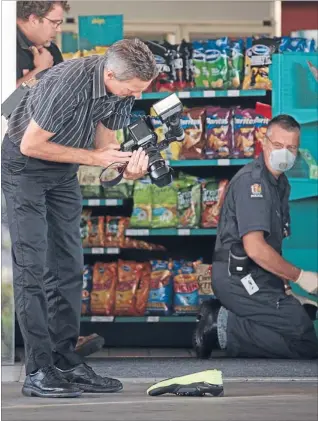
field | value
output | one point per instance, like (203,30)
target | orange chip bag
(213,193)
(129,275)
(104,288)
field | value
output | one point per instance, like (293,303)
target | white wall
(176,11)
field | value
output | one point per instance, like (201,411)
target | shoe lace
(52,374)
(96,376)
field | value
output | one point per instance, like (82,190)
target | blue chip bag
(296,45)
(186,289)
(161,289)
(87,289)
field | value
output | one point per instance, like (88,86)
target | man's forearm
(50,151)
(104,137)
(273,262)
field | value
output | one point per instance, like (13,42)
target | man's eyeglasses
(277,145)
(55,23)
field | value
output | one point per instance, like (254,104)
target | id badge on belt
(249,284)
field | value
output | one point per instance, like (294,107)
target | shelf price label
(223,162)
(97,250)
(184,94)
(139,233)
(209,94)
(233,93)
(184,232)
(111,202)
(105,319)
(152,319)
(113,250)
(93,202)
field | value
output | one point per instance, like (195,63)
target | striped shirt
(69,101)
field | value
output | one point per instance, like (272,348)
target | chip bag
(164,207)
(129,275)
(296,45)
(186,289)
(204,277)
(88,178)
(219,135)
(142,293)
(258,58)
(115,231)
(186,52)
(189,201)
(217,62)
(261,124)
(244,133)
(87,289)
(193,121)
(142,212)
(104,288)
(235,64)
(213,193)
(161,289)
(200,71)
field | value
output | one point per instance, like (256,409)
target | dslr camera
(142,134)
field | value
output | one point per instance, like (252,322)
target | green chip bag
(236,64)
(141,215)
(189,201)
(199,65)
(164,211)
(217,62)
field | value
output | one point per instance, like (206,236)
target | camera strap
(106,183)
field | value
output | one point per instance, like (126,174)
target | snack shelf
(101,250)
(170,232)
(209,162)
(141,319)
(205,94)
(102,202)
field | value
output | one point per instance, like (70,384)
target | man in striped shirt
(67,119)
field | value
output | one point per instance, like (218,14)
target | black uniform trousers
(267,324)
(44,207)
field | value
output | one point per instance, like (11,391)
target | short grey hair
(284,121)
(129,59)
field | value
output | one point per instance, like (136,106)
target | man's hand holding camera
(137,160)
(137,165)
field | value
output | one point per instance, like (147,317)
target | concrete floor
(277,401)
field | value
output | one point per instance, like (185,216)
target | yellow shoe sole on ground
(209,382)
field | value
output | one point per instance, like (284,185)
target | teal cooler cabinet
(295,89)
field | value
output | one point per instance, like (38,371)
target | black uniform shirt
(70,100)
(25,56)
(255,201)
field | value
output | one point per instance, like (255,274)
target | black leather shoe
(47,382)
(86,379)
(205,334)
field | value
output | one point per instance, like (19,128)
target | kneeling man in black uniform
(257,317)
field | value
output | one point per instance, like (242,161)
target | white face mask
(281,160)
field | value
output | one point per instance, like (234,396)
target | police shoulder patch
(256,190)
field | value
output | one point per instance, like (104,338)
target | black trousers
(267,324)
(44,207)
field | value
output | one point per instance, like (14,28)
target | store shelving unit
(205,164)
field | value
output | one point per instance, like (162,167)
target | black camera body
(142,135)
